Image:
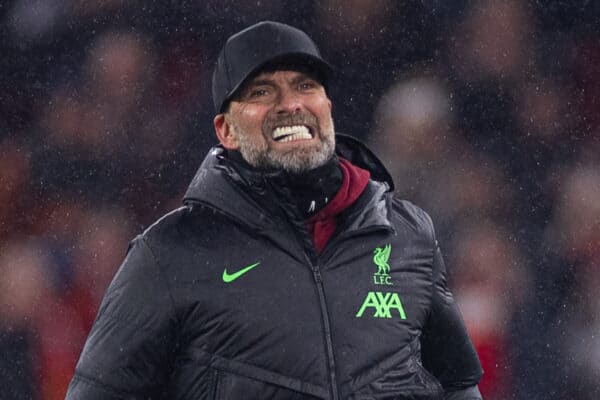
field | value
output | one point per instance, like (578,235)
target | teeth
(289,133)
(296,136)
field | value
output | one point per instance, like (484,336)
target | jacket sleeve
(131,345)
(446,349)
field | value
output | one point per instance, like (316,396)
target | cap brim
(292,61)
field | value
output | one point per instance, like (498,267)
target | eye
(306,85)
(259,92)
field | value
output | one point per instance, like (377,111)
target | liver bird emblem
(381,258)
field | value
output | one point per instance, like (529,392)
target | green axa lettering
(383,305)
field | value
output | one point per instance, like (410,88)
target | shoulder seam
(161,219)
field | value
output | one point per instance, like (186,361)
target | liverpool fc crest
(381,257)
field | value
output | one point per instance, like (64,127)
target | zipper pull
(317,274)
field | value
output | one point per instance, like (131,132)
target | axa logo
(381,257)
(382,305)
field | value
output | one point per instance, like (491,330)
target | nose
(288,101)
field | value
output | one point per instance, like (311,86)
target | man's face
(280,120)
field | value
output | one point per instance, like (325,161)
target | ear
(225,133)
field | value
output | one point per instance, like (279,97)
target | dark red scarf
(323,224)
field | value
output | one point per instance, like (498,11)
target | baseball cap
(264,44)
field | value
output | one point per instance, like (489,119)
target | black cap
(257,46)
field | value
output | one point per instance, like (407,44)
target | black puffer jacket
(226,298)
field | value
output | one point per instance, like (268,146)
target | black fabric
(440,352)
(308,192)
(180,320)
(361,156)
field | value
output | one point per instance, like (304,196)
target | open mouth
(284,134)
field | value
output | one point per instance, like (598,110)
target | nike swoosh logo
(232,277)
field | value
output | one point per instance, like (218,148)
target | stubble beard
(302,158)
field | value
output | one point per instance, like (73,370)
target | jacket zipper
(324,312)
(320,290)
(327,327)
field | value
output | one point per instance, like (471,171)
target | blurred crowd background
(487,113)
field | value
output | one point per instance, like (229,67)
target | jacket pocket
(230,386)
(423,377)
(400,376)
(204,376)
(237,380)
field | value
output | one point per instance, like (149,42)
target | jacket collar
(248,197)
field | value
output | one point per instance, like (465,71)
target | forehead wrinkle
(259,82)
(269,78)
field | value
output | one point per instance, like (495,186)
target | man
(291,272)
